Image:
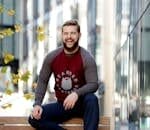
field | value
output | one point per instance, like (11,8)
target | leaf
(18,28)
(1,35)
(40,29)
(25,76)
(1,9)
(15,78)
(28,96)
(8,58)
(40,33)
(15,81)
(40,37)
(8,32)
(8,91)
(11,12)
(6,105)
(4,69)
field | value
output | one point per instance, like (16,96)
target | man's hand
(70,101)
(37,112)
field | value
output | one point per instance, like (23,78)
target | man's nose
(69,35)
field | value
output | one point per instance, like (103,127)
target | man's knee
(91,98)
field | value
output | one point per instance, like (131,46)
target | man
(76,81)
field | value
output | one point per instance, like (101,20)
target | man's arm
(41,89)
(90,72)
(43,80)
(44,76)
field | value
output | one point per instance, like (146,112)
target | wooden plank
(21,123)
(24,120)
(31,128)
(81,128)
(104,128)
(105,120)
(74,121)
(13,120)
(16,128)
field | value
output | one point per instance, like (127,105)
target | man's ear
(79,35)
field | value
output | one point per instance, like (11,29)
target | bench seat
(21,123)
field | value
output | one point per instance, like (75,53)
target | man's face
(70,37)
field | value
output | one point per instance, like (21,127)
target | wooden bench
(21,123)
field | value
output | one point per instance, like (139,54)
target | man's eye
(73,33)
(65,33)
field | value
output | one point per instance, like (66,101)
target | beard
(71,49)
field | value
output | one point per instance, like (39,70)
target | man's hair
(72,22)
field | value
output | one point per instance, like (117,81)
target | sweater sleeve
(90,72)
(42,83)
(44,76)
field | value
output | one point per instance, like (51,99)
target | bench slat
(31,128)
(105,120)
(16,128)
(24,120)
(13,120)
(21,123)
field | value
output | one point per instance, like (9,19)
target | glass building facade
(132,65)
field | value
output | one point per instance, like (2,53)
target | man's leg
(91,112)
(52,115)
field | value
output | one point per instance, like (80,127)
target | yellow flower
(1,9)
(41,37)
(8,91)
(40,29)
(1,36)
(28,96)
(18,28)
(25,76)
(40,33)
(15,78)
(8,32)
(8,58)
(11,12)
(4,69)
(6,105)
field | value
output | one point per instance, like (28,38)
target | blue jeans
(53,114)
